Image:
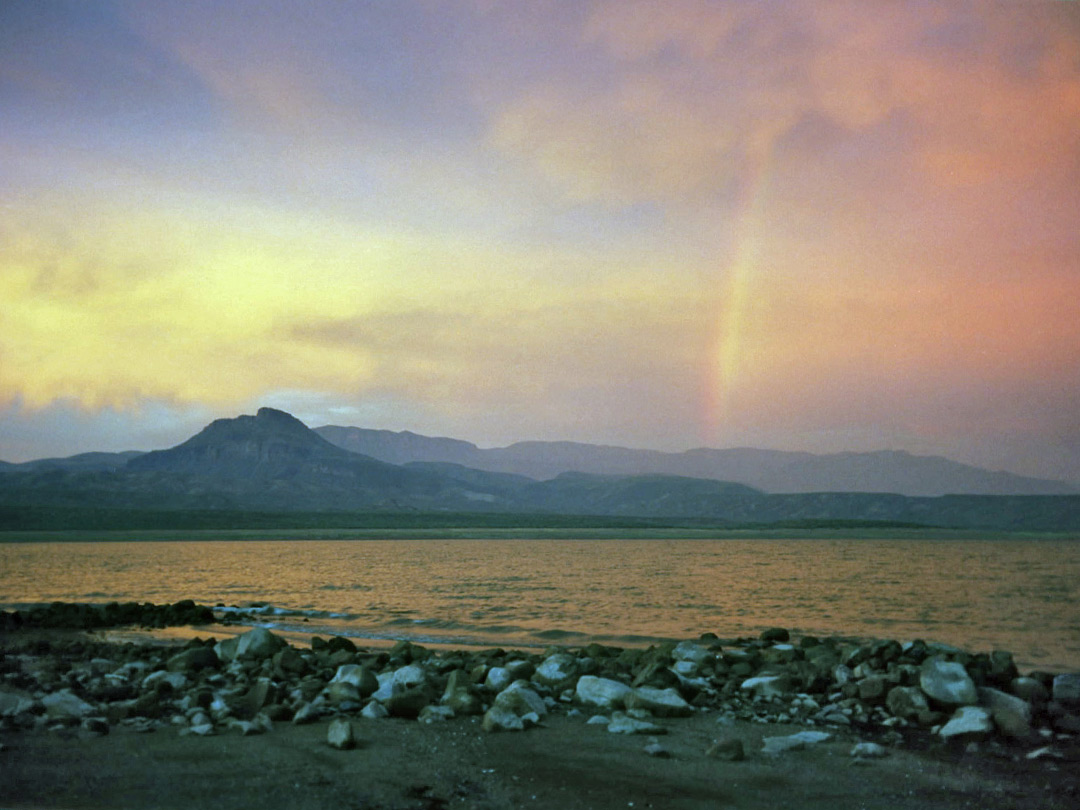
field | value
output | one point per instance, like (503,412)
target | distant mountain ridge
(773,471)
(274,463)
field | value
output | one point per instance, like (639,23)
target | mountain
(771,471)
(82,461)
(272,462)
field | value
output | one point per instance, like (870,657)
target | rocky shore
(877,698)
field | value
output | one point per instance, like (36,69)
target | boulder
(689,651)
(408,702)
(193,660)
(14,701)
(601,693)
(907,703)
(1011,715)
(258,644)
(460,694)
(515,708)
(374,711)
(358,676)
(768,685)
(1066,689)
(873,688)
(498,678)
(340,734)
(947,682)
(558,671)
(661,702)
(968,723)
(435,714)
(1030,690)
(406,677)
(175,680)
(289,661)
(66,705)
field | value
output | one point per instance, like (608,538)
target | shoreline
(75,709)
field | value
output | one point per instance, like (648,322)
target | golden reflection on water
(980,595)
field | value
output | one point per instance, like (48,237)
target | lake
(1021,596)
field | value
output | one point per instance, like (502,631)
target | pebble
(869,750)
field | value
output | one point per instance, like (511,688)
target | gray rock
(1066,690)
(968,723)
(598,720)
(340,734)
(358,676)
(498,678)
(947,682)
(193,660)
(689,651)
(341,692)
(907,702)
(98,726)
(176,680)
(655,749)
(768,685)
(499,718)
(65,705)
(460,694)
(374,711)
(793,742)
(622,723)
(201,730)
(1030,690)
(727,749)
(515,708)
(307,713)
(661,702)
(558,671)
(1011,715)
(869,750)
(435,714)
(408,702)
(601,693)
(14,701)
(257,644)
(407,677)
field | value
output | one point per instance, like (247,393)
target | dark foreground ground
(564,764)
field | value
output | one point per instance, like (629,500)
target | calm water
(980,595)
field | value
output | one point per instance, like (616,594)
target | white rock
(66,704)
(177,680)
(1011,714)
(402,678)
(340,734)
(498,678)
(624,724)
(947,682)
(374,711)
(869,750)
(661,702)
(601,693)
(974,721)
(767,685)
(556,671)
(258,643)
(14,701)
(794,742)
(689,651)
(598,720)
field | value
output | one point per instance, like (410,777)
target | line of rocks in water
(894,692)
(78,616)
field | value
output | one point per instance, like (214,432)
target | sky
(821,226)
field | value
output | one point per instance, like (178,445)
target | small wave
(272,610)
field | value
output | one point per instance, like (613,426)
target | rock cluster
(249,682)
(114,614)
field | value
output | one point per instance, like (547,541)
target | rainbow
(727,356)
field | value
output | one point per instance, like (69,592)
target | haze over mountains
(273,462)
(768,470)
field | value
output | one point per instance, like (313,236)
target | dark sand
(563,764)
